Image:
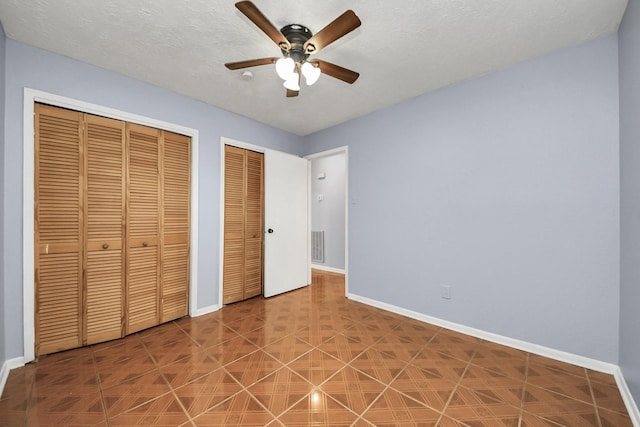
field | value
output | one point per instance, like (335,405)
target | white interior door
(286,220)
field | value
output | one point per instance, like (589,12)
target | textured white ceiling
(403,48)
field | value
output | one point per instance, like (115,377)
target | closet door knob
(145,244)
(270,230)
(105,246)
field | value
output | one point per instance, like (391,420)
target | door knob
(105,246)
(145,244)
(270,230)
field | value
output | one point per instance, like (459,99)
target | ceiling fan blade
(292,93)
(250,63)
(250,10)
(337,28)
(337,71)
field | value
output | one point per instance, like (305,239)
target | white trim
(327,268)
(309,196)
(247,146)
(335,151)
(328,153)
(629,402)
(221,227)
(346,219)
(193,232)
(562,356)
(7,366)
(32,96)
(206,310)
(28,225)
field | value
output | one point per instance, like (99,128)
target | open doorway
(328,207)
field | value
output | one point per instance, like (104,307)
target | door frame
(335,151)
(258,149)
(31,96)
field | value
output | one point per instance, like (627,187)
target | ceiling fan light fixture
(297,43)
(310,73)
(292,82)
(285,67)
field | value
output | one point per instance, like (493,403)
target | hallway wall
(629,40)
(328,214)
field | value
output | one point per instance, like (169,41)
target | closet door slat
(58,229)
(143,213)
(176,175)
(234,218)
(253,225)
(104,207)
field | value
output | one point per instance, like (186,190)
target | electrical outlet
(445,291)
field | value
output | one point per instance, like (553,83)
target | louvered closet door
(104,215)
(58,229)
(175,249)
(143,221)
(234,212)
(253,225)
(243,224)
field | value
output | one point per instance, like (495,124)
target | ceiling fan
(297,43)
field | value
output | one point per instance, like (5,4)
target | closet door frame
(246,146)
(31,97)
(258,149)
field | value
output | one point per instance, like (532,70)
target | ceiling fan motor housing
(297,35)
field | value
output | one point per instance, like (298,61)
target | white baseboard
(7,366)
(326,268)
(629,402)
(206,310)
(574,359)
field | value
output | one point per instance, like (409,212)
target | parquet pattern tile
(281,390)
(310,357)
(393,408)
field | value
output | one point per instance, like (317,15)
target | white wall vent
(317,246)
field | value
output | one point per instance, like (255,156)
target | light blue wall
(505,188)
(3,319)
(41,70)
(629,41)
(328,214)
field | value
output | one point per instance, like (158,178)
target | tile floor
(309,357)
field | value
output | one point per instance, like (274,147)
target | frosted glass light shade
(292,83)
(285,67)
(310,73)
